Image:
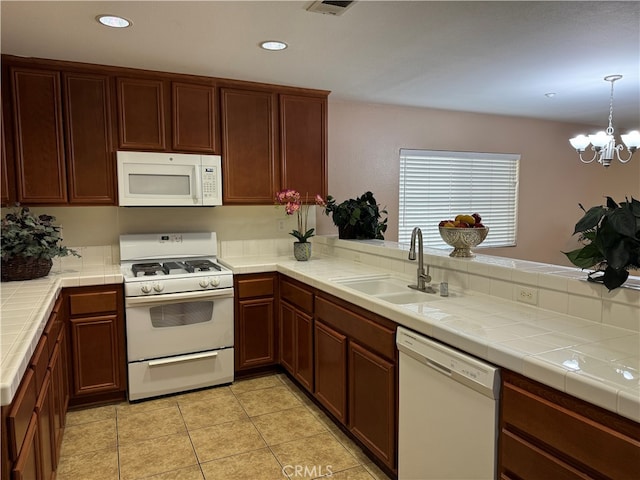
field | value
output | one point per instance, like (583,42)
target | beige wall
(364,145)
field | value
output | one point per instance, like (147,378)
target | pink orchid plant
(292,201)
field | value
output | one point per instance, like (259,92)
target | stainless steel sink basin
(388,288)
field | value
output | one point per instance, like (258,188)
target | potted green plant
(29,243)
(357,218)
(611,237)
(292,201)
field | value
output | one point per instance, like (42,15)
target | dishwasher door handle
(436,366)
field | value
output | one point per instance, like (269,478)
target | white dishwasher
(448,420)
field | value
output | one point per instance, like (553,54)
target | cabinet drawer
(255,287)
(519,458)
(365,331)
(588,442)
(95,302)
(51,331)
(40,361)
(296,295)
(20,414)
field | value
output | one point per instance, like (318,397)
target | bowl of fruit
(463,233)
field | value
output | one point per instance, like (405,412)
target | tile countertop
(26,307)
(593,361)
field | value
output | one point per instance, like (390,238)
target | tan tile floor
(261,428)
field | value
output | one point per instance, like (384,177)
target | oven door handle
(173,297)
(181,358)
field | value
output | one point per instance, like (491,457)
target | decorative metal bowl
(463,239)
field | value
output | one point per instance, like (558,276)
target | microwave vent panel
(330,7)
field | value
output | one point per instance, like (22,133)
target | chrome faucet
(423,279)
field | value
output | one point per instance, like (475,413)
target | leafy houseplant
(357,218)
(611,238)
(29,243)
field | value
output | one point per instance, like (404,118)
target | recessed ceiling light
(273,45)
(113,21)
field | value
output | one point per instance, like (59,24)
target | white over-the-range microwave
(150,179)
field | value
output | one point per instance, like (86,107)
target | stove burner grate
(147,268)
(201,265)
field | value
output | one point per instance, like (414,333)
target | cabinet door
(255,345)
(7,175)
(141,114)
(39,143)
(19,416)
(58,412)
(287,337)
(194,123)
(331,370)
(304,350)
(303,143)
(95,354)
(44,409)
(27,465)
(90,161)
(372,402)
(250,166)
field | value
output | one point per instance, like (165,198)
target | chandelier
(603,143)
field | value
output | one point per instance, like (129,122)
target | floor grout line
(279,380)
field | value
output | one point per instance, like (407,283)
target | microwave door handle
(197,199)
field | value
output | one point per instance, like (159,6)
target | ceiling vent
(330,7)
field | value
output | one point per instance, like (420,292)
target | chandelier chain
(610,127)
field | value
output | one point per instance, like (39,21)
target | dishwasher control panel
(460,366)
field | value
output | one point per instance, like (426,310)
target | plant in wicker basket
(29,243)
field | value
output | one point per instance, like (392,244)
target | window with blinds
(438,185)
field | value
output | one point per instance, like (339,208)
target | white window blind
(438,185)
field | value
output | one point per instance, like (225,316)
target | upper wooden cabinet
(147,119)
(38,134)
(303,144)
(194,120)
(250,166)
(65,121)
(141,114)
(90,162)
(59,137)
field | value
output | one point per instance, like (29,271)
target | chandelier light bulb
(603,143)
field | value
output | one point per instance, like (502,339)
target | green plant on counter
(27,235)
(611,238)
(357,218)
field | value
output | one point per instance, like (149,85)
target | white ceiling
(490,57)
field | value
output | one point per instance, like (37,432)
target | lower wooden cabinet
(27,466)
(545,433)
(356,373)
(372,401)
(296,330)
(255,342)
(296,343)
(97,353)
(331,369)
(32,424)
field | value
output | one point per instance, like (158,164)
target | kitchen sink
(405,298)
(378,285)
(388,288)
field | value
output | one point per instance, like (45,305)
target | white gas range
(179,313)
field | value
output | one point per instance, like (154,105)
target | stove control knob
(158,287)
(204,282)
(215,281)
(145,288)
